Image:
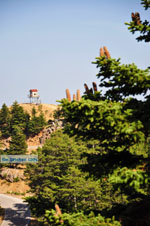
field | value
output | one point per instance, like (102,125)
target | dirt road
(17,212)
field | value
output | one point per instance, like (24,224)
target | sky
(50,45)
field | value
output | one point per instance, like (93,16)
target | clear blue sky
(49,44)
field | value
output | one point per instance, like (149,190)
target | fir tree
(18,117)
(5,121)
(117,162)
(58,178)
(18,144)
(35,124)
(137,25)
(121,123)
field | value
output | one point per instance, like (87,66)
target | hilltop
(47,109)
(48,112)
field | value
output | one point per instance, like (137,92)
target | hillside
(47,109)
(20,187)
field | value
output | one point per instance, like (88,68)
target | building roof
(33,90)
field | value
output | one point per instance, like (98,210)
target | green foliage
(106,121)
(35,124)
(34,112)
(17,124)
(121,128)
(121,80)
(143,28)
(96,96)
(145,3)
(18,117)
(5,121)
(78,219)
(58,177)
(131,180)
(16,179)
(140,111)
(105,168)
(18,142)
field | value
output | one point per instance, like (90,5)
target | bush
(78,219)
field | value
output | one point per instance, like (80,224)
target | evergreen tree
(78,219)
(35,124)
(58,178)
(122,81)
(5,121)
(18,144)
(121,123)
(137,25)
(116,164)
(18,117)
(34,112)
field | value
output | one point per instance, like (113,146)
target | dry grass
(19,188)
(47,109)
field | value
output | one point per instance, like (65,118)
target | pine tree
(18,117)
(18,144)
(35,124)
(137,25)
(118,162)
(58,178)
(5,121)
(121,123)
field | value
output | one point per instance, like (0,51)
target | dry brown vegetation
(19,188)
(47,109)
